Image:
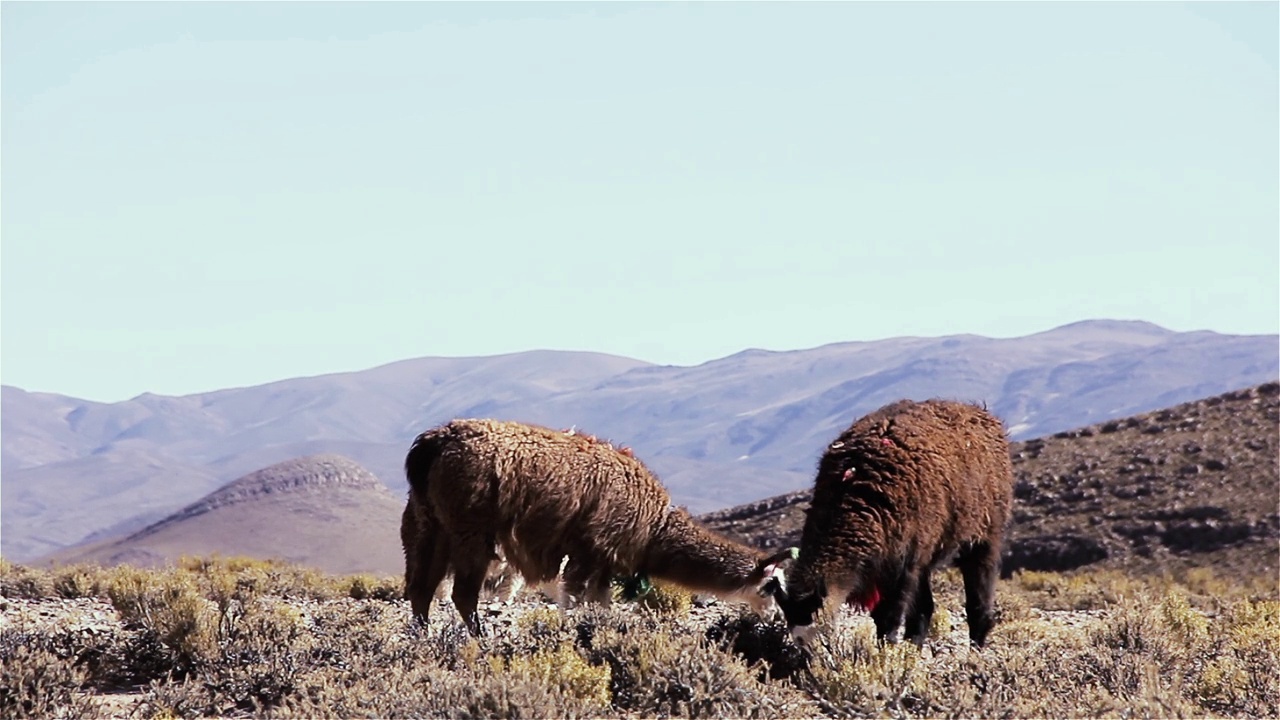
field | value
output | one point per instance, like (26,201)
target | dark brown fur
(543,495)
(903,490)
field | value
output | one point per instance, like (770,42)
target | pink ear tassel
(848,474)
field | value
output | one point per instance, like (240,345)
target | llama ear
(775,586)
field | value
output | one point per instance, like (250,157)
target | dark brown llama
(905,489)
(542,496)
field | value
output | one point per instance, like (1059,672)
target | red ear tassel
(868,599)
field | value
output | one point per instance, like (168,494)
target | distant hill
(323,511)
(728,431)
(1194,485)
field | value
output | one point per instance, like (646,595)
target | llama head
(769,579)
(800,603)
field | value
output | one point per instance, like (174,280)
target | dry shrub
(1092,590)
(1204,581)
(40,680)
(667,673)
(19,581)
(1100,589)
(77,581)
(1012,607)
(1188,627)
(1129,651)
(855,675)
(667,600)
(216,562)
(428,690)
(168,605)
(1238,675)
(759,641)
(941,623)
(362,667)
(1035,669)
(563,670)
(540,629)
(542,621)
(270,577)
(369,587)
(260,661)
(240,637)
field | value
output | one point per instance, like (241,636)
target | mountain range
(725,432)
(1189,486)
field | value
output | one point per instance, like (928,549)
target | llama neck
(685,553)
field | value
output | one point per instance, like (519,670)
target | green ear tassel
(634,586)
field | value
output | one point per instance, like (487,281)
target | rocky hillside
(312,474)
(1192,485)
(324,511)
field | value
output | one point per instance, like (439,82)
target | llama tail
(424,452)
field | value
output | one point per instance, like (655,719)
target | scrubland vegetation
(231,637)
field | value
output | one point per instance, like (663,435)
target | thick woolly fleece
(903,490)
(542,495)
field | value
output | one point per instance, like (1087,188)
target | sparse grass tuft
(563,670)
(667,599)
(368,587)
(19,581)
(237,637)
(77,581)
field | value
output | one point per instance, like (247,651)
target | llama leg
(470,560)
(576,582)
(409,533)
(917,628)
(428,578)
(426,563)
(600,588)
(887,614)
(979,566)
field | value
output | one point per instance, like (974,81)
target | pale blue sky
(198,196)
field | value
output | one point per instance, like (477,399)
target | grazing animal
(902,491)
(540,496)
(501,583)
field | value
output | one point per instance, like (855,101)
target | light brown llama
(542,495)
(902,491)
